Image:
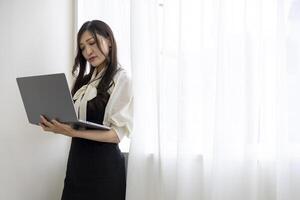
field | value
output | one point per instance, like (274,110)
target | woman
(96,168)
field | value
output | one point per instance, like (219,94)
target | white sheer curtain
(216,96)
(211,114)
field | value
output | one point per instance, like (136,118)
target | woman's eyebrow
(87,40)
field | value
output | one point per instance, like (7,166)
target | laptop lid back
(47,95)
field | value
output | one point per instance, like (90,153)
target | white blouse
(119,109)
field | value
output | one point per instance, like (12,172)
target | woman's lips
(91,59)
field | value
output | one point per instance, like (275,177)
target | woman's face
(90,50)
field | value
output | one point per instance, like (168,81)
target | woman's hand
(57,127)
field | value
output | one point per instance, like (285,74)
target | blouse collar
(86,93)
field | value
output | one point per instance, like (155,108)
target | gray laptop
(49,95)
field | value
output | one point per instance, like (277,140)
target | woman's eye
(90,44)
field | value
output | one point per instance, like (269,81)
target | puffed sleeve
(119,109)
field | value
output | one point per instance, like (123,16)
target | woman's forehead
(87,35)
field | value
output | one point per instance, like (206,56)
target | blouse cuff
(120,131)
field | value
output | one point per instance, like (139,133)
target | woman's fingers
(46,122)
(59,124)
(54,126)
(45,128)
(55,122)
(49,126)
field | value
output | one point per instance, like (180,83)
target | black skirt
(95,171)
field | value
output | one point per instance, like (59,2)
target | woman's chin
(95,64)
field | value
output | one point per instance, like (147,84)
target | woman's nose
(89,50)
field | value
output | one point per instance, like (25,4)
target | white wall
(35,38)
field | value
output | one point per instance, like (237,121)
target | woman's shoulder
(121,75)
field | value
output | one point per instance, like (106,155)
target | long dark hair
(101,28)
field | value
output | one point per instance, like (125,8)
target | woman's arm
(65,129)
(98,135)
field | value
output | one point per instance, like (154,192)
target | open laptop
(49,95)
